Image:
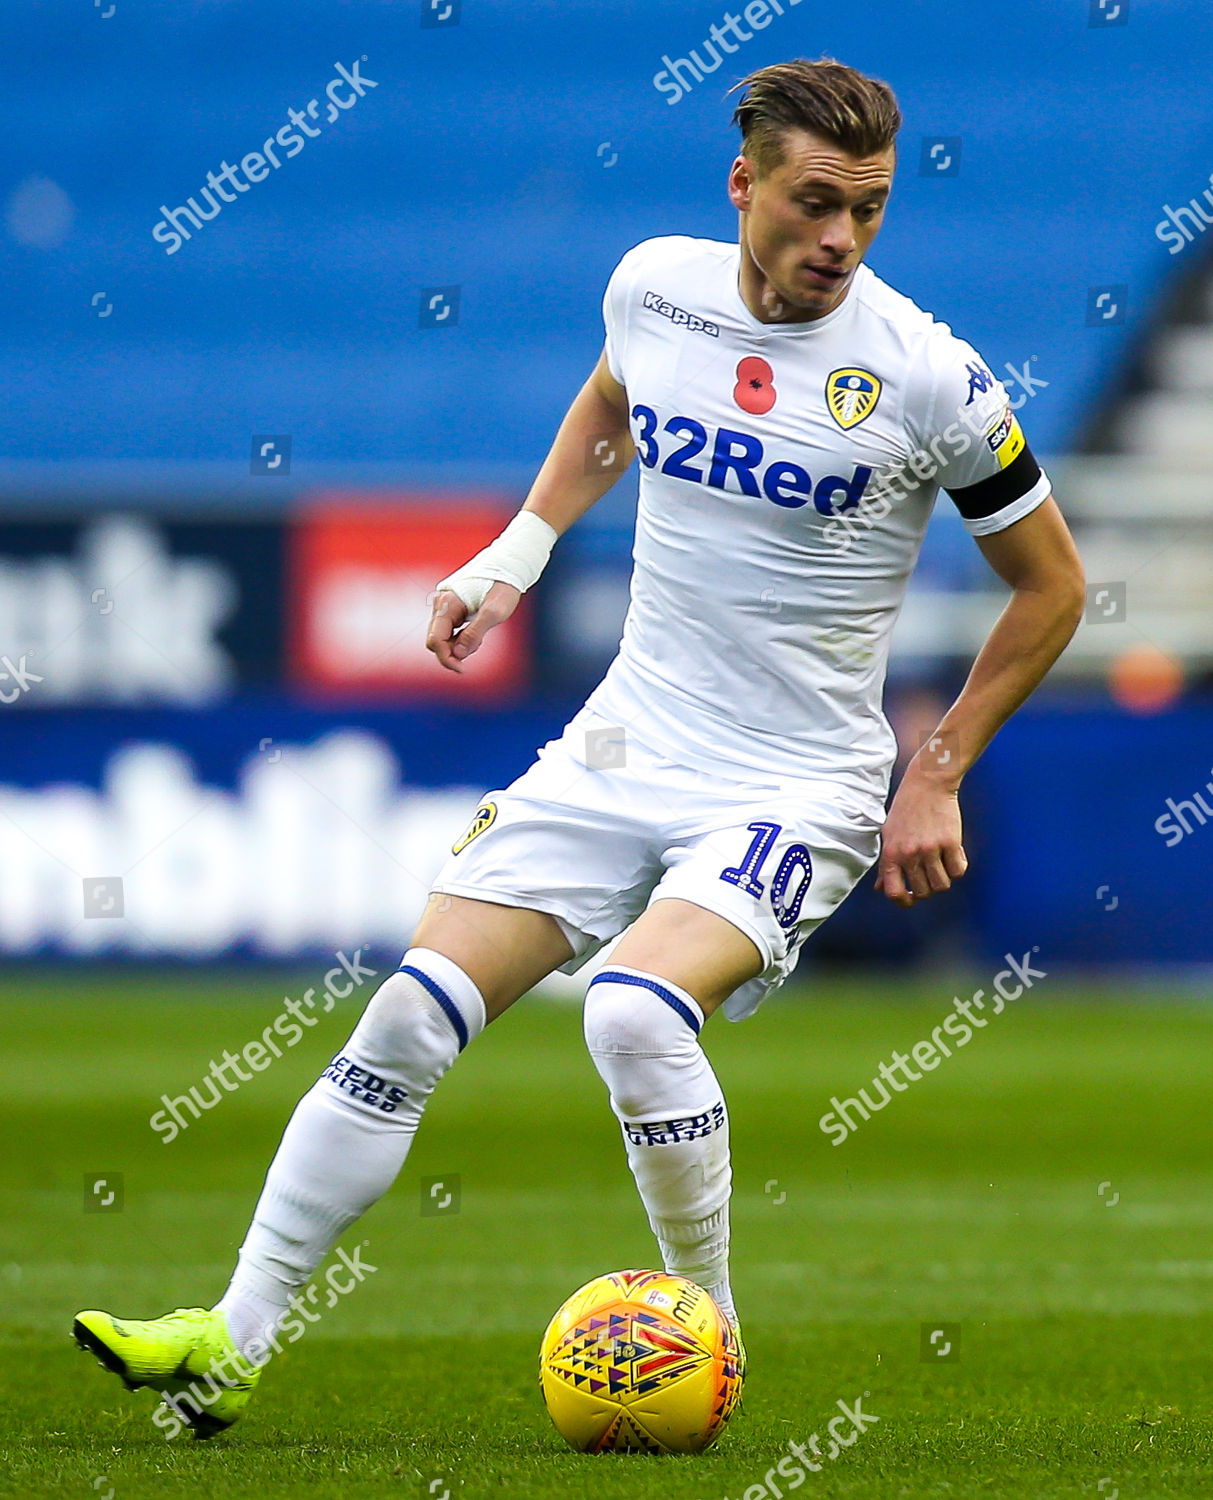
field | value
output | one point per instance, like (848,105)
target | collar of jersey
(811,325)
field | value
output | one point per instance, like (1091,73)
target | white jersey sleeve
(615,303)
(967,438)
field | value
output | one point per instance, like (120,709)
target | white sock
(348,1138)
(643,1034)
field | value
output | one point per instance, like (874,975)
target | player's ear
(741,182)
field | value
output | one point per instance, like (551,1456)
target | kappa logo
(655,302)
(483,819)
(980,381)
(851,396)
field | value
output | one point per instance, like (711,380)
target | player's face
(807,224)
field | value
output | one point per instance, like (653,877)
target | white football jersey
(787,474)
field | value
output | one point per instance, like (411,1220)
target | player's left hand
(921,852)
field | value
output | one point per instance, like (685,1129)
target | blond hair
(840,104)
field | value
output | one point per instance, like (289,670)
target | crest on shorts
(852,395)
(485,814)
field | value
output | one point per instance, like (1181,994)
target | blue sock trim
(616,976)
(453,1014)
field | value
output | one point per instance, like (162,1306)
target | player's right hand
(452,636)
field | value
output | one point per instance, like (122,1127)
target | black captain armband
(988,496)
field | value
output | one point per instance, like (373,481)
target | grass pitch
(1047,1190)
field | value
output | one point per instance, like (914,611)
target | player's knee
(618,1021)
(638,1015)
(418,1021)
(642,1034)
(400,1025)
(393,1060)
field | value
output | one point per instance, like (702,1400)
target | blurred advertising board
(130,608)
(360,589)
(333,601)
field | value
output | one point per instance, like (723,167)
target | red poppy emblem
(755,388)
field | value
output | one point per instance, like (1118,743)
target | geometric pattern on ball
(626,1352)
(640,1361)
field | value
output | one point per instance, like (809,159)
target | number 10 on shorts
(793,872)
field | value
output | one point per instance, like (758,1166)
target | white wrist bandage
(518,556)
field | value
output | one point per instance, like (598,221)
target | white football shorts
(601,825)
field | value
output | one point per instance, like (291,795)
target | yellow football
(640,1361)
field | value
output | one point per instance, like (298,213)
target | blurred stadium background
(235,465)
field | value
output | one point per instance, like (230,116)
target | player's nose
(838,236)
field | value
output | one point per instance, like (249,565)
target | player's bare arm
(590,451)
(921,849)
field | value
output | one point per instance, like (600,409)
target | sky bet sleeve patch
(1006,441)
